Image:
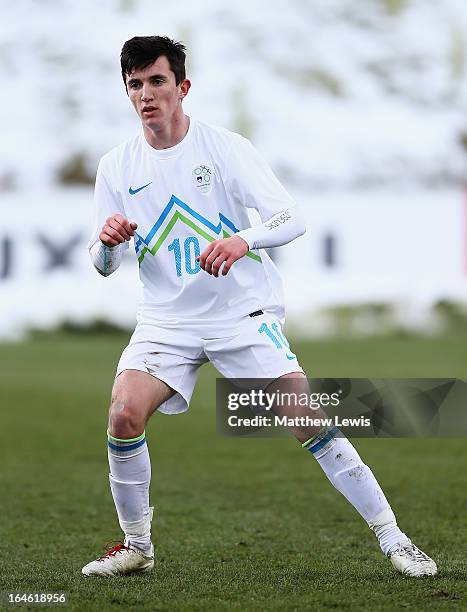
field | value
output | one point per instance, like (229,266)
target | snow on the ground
(335,94)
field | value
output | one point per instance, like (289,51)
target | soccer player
(180,189)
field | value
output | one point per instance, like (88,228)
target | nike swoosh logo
(133,191)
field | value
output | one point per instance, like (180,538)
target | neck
(170,134)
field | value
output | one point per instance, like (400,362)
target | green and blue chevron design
(195,221)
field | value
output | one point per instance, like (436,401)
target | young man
(181,189)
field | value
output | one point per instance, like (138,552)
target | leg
(338,459)
(135,396)
(261,351)
(350,476)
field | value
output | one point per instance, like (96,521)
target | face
(155,95)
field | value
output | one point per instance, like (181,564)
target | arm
(281,228)
(252,184)
(106,254)
(112,230)
(105,259)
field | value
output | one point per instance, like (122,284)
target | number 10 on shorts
(277,337)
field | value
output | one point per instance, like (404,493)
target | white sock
(350,476)
(130,476)
(386,530)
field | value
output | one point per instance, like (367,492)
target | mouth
(147,110)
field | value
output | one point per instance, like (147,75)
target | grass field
(240,524)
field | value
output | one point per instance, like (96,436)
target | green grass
(240,524)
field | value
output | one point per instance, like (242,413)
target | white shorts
(257,349)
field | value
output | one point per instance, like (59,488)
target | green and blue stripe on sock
(323,437)
(122,445)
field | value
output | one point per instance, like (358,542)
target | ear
(184,88)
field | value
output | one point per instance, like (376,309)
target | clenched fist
(116,230)
(225,251)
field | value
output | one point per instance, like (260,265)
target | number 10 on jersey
(191,250)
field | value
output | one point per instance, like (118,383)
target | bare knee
(124,420)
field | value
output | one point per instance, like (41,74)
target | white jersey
(182,198)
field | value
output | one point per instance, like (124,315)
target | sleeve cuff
(248,236)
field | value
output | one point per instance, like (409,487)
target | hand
(116,230)
(225,251)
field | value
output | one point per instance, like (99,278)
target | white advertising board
(369,247)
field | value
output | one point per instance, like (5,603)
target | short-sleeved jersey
(182,198)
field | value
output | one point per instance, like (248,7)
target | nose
(146,93)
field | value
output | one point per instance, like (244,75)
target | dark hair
(141,51)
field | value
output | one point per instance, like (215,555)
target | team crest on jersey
(202,177)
